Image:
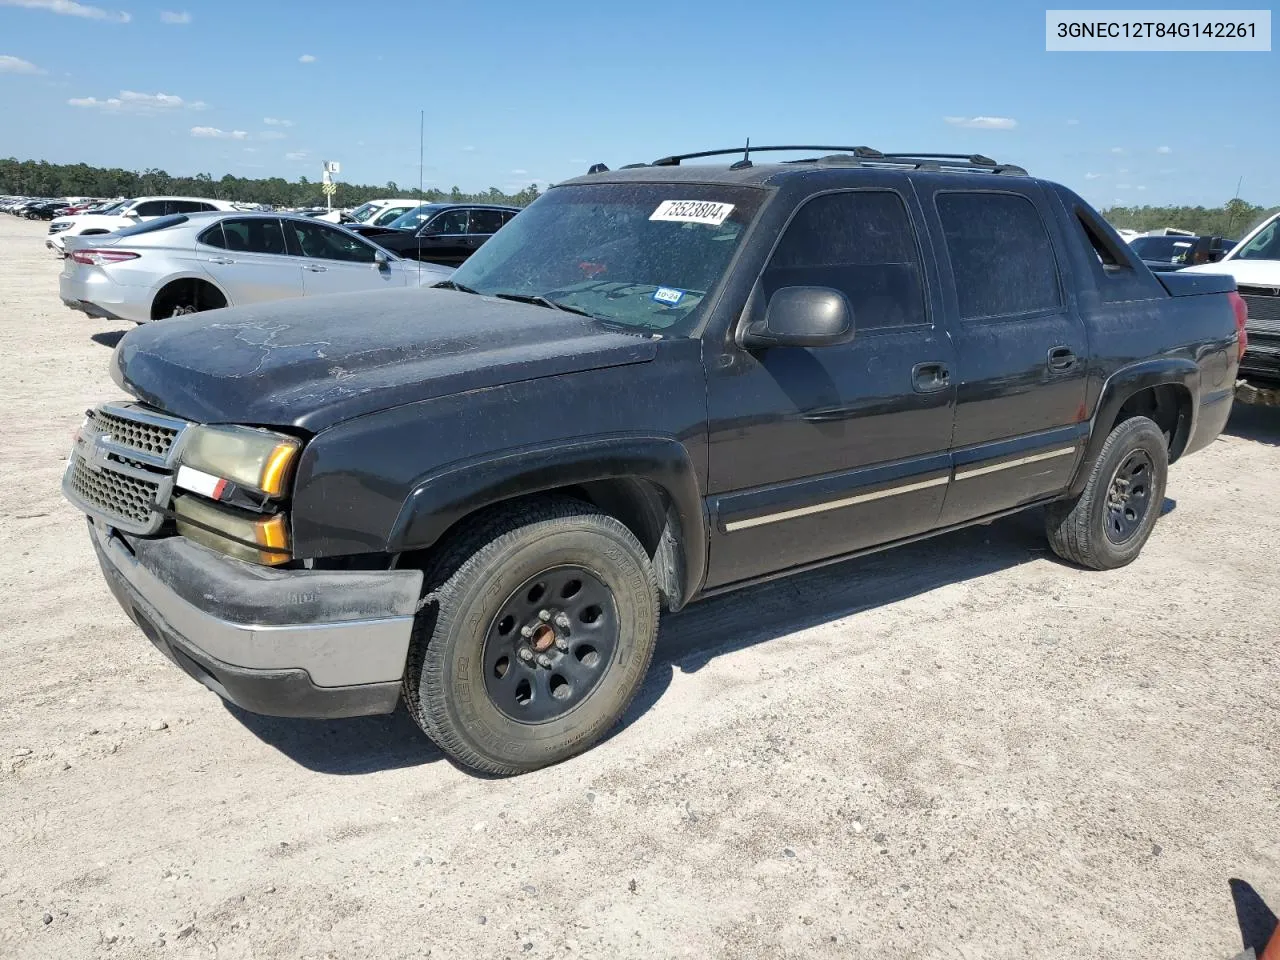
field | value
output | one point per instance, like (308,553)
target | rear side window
(187,206)
(1000,255)
(860,243)
(253,235)
(1117,273)
(485,221)
(152,208)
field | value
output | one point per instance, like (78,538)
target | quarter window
(152,208)
(1000,254)
(862,244)
(485,221)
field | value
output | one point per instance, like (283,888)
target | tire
(1108,524)
(486,604)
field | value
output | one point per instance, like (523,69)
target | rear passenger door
(481,225)
(247,258)
(1022,354)
(444,239)
(816,452)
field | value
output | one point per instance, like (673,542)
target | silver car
(202,261)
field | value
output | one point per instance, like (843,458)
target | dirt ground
(960,749)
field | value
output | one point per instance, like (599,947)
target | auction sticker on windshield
(693,211)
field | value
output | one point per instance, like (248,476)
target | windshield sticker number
(668,295)
(693,211)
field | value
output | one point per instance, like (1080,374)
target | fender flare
(438,501)
(1123,384)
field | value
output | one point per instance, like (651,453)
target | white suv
(375,213)
(125,214)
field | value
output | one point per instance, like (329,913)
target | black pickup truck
(656,384)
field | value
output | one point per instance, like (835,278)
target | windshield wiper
(542,301)
(450,285)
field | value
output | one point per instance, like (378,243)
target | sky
(517,92)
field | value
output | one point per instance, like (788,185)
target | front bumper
(286,643)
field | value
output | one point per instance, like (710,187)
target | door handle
(222,260)
(1061,359)
(930,377)
(315,268)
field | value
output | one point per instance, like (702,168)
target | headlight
(59,227)
(236,533)
(258,459)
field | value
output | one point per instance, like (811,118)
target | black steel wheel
(550,643)
(542,626)
(1108,524)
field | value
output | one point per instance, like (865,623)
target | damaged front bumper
(287,643)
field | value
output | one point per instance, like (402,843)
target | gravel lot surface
(960,749)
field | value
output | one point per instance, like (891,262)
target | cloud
(70,8)
(1073,122)
(1117,149)
(1141,187)
(578,162)
(250,149)
(15,65)
(519,173)
(1123,170)
(1164,150)
(168,16)
(1123,186)
(468,149)
(983,123)
(131,101)
(276,122)
(306,58)
(298,155)
(214,133)
(272,135)
(1094,176)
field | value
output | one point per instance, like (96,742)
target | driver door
(818,452)
(444,239)
(337,261)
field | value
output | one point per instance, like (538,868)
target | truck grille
(122,468)
(1264,308)
(113,495)
(151,436)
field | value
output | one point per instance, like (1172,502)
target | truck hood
(313,363)
(1249,273)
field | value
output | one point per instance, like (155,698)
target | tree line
(1232,220)
(38,178)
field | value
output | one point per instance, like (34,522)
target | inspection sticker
(668,295)
(693,211)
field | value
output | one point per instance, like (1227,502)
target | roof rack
(850,156)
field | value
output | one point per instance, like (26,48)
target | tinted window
(1115,271)
(1000,254)
(325,243)
(152,208)
(1265,246)
(415,218)
(449,222)
(485,221)
(254,235)
(159,223)
(1164,249)
(187,206)
(861,244)
(388,215)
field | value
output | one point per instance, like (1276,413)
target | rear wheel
(183,297)
(543,626)
(1109,523)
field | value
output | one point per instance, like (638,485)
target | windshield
(415,217)
(1164,249)
(642,255)
(1265,246)
(363,212)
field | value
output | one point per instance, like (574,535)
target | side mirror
(381,259)
(133,215)
(801,317)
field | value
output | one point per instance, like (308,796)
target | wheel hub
(550,643)
(1129,497)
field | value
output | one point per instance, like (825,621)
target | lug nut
(562,645)
(562,621)
(526,631)
(544,615)
(544,660)
(526,654)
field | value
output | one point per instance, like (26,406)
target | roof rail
(853,156)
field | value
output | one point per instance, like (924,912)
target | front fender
(441,499)
(1123,384)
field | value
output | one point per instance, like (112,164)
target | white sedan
(187,263)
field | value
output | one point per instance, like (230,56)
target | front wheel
(1108,524)
(543,625)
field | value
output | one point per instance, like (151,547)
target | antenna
(422,126)
(746,158)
